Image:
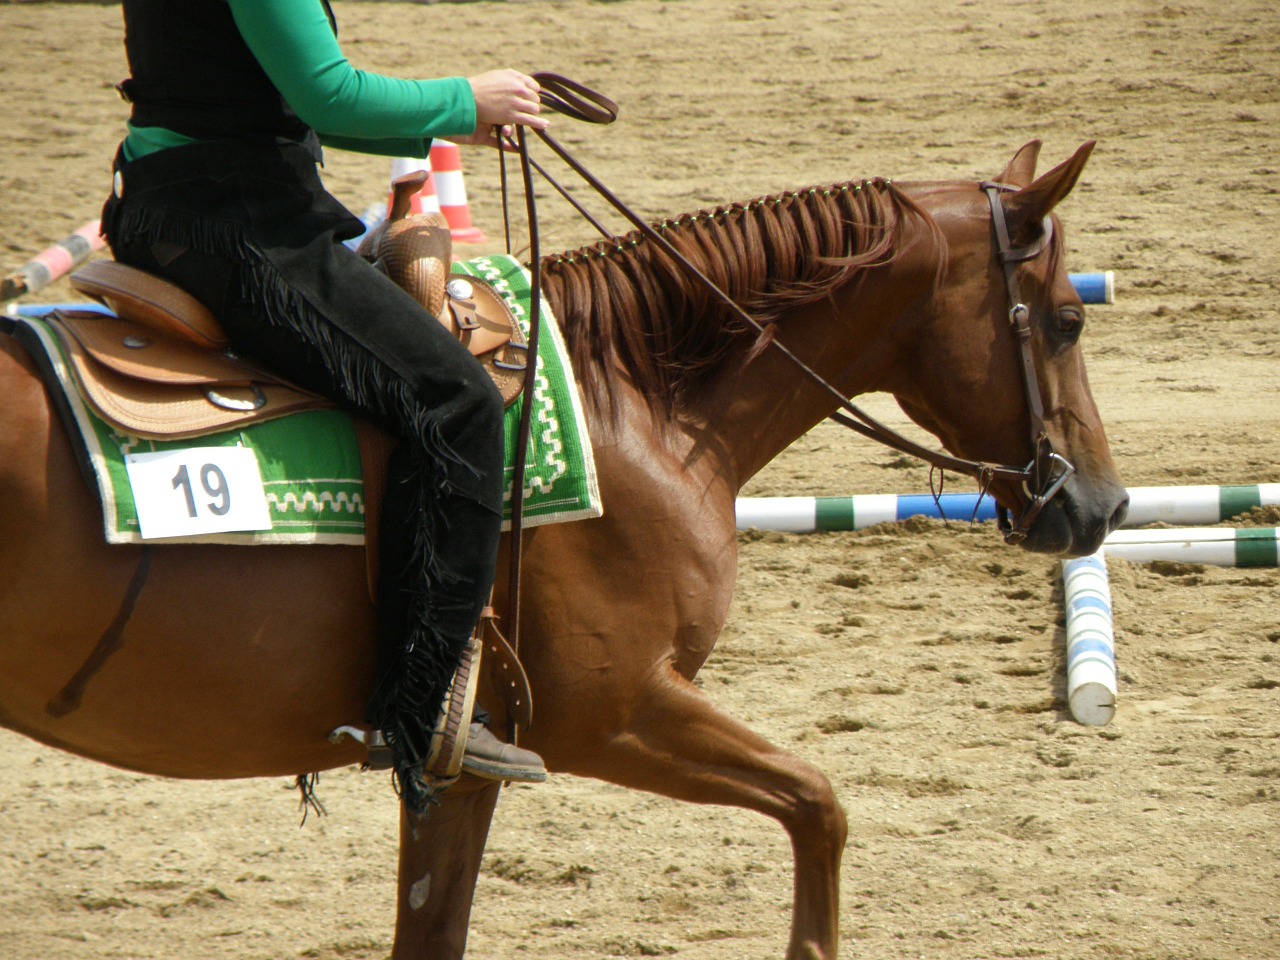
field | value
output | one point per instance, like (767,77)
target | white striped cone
(425,200)
(446,162)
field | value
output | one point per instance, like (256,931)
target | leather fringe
(408,696)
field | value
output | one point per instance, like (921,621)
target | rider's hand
(504,98)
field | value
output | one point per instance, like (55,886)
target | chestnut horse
(238,661)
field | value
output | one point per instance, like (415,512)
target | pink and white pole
(55,262)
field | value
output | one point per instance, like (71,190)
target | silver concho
(460,289)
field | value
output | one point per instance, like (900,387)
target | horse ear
(1034,202)
(1021,170)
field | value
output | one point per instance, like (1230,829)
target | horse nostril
(1118,515)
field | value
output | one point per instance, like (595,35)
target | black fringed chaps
(250,232)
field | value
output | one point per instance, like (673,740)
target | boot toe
(488,757)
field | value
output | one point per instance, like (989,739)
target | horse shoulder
(667,538)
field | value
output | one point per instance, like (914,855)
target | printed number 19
(214,482)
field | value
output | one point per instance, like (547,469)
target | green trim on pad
(560,473)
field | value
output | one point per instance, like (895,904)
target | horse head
(967,377)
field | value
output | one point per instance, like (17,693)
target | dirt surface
(919,666)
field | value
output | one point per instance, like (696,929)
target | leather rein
(1041,479)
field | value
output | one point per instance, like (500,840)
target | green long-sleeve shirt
(349,109)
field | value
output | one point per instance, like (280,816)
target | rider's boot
(487,756)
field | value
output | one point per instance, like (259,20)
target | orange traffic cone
(446,164)
(425,200)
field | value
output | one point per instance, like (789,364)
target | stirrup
(449,739)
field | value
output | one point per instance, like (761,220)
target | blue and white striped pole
(1091,652)
(807,514)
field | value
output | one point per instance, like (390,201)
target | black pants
(250,232)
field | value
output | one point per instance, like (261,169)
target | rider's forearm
(295,45)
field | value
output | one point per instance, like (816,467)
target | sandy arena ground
(920,667)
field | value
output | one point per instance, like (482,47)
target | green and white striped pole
(1197,504)
(1218,546)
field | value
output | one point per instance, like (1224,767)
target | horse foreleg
(439,861)
(678,744)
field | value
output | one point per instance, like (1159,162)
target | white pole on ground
(1091,654)
(1219,546)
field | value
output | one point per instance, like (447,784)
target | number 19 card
(185,493)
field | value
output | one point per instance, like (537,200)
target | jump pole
(1095,287)
(810,514)
(1197,504)
(1217,546)
(1189,505)
(51,264)
(1091,650)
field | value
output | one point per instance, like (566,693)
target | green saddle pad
(308,463)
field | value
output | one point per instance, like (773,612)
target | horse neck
(858,338)
(763,403)
(811,264)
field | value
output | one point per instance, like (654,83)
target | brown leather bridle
(1048,470)
(1046,473)
(1041,479)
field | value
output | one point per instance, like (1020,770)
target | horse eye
(1070,322)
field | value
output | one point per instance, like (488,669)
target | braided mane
(626,309)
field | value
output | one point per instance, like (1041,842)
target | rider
(216,188)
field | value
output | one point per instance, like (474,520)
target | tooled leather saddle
(162,366)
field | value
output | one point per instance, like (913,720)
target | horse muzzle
(1073,521)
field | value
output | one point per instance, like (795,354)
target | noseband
(1040,480)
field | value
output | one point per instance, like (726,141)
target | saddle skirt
(151,385)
